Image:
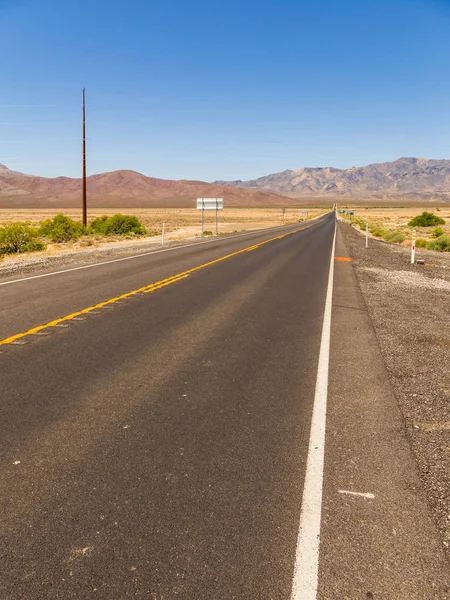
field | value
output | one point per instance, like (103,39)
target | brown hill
(120,189)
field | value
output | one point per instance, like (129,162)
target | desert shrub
(379,232)
(118,225)
(99,225)
(441,244)
(34,246)
(394,237)
(426,219)
(207,233)
(62,229)
(437,232)
(19,237)
(421,243)
(357,221)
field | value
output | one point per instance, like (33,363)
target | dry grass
(397,218)
(180,222)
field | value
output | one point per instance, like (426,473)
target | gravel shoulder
(410,309)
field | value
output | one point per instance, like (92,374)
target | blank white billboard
(209,203)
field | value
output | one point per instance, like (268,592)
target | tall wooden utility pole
(84,160)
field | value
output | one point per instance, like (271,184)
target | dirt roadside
(409,306)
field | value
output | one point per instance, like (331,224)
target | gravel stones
(410,309)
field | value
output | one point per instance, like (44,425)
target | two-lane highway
(157,448)
(30,300)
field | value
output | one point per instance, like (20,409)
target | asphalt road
(156,446)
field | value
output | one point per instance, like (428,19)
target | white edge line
(305,578)
(107,262)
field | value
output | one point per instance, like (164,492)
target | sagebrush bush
(379,232)
(394,237)
(34,246)
(421,243)
(62,229)
(19,237)
(426,219)
(437,232)
(117,225)
(441,244)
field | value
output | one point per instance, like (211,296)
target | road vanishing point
(210,422)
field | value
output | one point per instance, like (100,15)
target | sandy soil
(180,224)
(177,220)
(398,217)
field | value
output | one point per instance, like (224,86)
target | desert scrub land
(18,237)
(58,250)
(393,224)
(179,224)
(176,219)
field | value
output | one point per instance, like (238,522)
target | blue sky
(209,89)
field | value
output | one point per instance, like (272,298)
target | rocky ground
(410,309)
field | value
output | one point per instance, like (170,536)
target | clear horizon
(208,91)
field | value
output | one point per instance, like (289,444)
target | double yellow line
(143,290)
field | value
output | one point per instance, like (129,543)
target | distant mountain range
(413,179)
(120,189)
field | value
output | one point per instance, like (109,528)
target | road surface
(156,418)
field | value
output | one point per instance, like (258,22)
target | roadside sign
(209,203)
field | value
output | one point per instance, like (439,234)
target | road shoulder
(383,544)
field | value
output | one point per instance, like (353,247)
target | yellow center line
(143,290)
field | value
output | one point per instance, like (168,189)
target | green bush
(62,229)
(358,222)
(394,237)
(437,232)
(426,219)
(118,225)
(421,243)
(441,244)
(19,237)
(34,246)
(99,225)
(207,233)
(379,232)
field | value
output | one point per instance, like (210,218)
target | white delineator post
(413,247)
(367,235)
(203,217)
(162,234)
(217,217)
